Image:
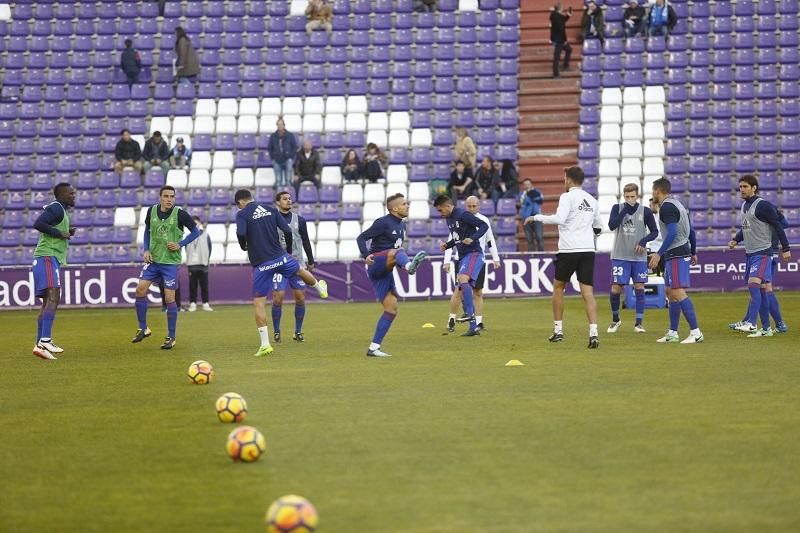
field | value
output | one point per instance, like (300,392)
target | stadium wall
(519,275)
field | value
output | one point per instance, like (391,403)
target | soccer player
(760,220)
(578,219)
(299,247)
(50,253)
(466,231)
(679,252)
(384,253)
(486,241)
(163,240)
(258,229)
(634,226)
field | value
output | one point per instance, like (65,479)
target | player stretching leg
(258,229)
(678,250)
(51,252)
(487,241)
(761,222)
(466,231)
(163,240)
(386,251)
(297,246)
(630,222)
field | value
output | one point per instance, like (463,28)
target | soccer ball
(231,407)
(291,514)
(200,372)
(246,444)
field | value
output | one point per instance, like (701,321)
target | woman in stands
(187,65)
(351,166)
(465,150)
(374,163)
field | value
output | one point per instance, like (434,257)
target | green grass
(440,438)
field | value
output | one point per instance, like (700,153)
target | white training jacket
(577,216)
(488,237)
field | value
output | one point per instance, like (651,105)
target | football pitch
(442,437)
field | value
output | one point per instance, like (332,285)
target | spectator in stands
(593,24)
(131,63)
(161,5)
(464,149)
(487,181)
(374,163)
(156,153)
(634,19)
(425,6)
(509,180)
(180,156)
(351,166)
(307,165)
(198,256)
(461,182)
(282,148)
(558,36)
(127,153)
(187,65)
(662,19)
(530,201)
(319,15)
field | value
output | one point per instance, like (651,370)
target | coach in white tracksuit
(486,241)
(578,220)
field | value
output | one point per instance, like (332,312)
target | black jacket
(129,150)
(153,151)
(130,62)
(558,27)
(310,166)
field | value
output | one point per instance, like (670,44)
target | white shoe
(638,328)
(377,353)
(747,327)
(50,346)
(322,287)
(762,333)
(207,307)
(693,338)
(671,336)
(40,352)
(614,326)
(192,307)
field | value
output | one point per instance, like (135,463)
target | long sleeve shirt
(386,233)
(486,241)
(50,217)
(465,225)
(578,219)
(257,229)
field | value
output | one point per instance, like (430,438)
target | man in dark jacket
(634,19)
(282,148)
(156,153)
(662,19)
(307,165)
(127,153)
(593,24)
(558,36)
(131,63)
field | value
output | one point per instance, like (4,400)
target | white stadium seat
(297,8)
(335,104)
(357,104)
(331,176)
(609,150)
(349,229)
(633,95)
(184,125)
(312,123)
(611,96)
(655,95)
(292,105)
(419,210)
(217,232)
(421,138)
(265,177)
(139,139)
(311,227)
(632,113)
(605,242)
(653,166)
(326,251)
(5,12)
(631,168)
(235,254)
(654,130)
(610,114)
(243,178)
(222,159)
(653,148)
(378,137)
(355,122)
(610,132)
(198,178)
(140,235)
(227,107)
(226,124)
(334,122)
(231,236)
(314,105)
(217,254)
(397,174)
(161,124)
(374,192)
(373,210)
(247,124)
(631,149)
(378,121)
(468,5)
(608,168)
(220,177)
(418,191)
(249,107)
(608,186)
(201,160)
(654,113)
(632,132)
(352,193)
(141,214)
(396,188)
(400,120)
(202,125)
(271,106)
(206,107)
(267,124)
(293,123)
(647,182)
(328,230)
(124,217)
(348,250)
(606,202)
(399,139)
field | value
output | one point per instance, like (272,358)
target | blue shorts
(760,266)
(287,266)
(676,272)
(776,259)
(281,282)
(45,274)
(471,265)
(623,271)
(381,277)
(161,272)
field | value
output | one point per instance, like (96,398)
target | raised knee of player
(391,259)
(307,276)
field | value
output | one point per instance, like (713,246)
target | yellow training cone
(515,362)
(428,325)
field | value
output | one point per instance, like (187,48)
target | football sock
(39,326)
(452,316)
(276,317)
(763,310)
(614,306)
(263,332)
(674,315)
(299,316)
(141,312)
(479,319)
(48,317)
(468,299)
(382,328)
(688,311)
(374,346)
(401,257)
(558,326)
(774,307)
(639,305)
(593,330)
(755,302)
(172,318)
